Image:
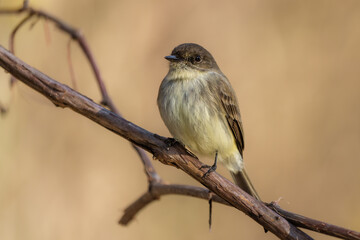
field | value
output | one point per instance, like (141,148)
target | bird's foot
(211,168)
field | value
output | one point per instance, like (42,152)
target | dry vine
(219,189)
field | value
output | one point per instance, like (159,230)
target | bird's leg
(211,168)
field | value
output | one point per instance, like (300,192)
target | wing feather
(232,113)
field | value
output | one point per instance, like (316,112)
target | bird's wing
(232,112)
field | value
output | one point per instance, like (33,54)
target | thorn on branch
(71,69)
(210,209)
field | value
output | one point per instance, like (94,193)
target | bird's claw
(211,169)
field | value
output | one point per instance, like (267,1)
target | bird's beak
(172,58)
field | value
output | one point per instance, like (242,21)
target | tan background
(293,64)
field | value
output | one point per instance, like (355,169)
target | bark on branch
(77,36)
(63,96)
(176,155)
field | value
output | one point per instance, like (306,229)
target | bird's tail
(243,181)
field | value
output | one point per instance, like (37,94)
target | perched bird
(200,109)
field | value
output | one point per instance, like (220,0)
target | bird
(200,109)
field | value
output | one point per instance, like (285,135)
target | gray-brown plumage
(200,109)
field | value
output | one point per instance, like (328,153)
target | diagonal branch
(156,187)
(159,190)
(176,155)
(315,225)
(80,38)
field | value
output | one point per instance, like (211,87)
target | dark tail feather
(243,181)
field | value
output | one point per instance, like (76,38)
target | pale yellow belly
(194,117)
(204,130)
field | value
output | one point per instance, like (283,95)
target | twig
(210,212)
(16,10)
(12,40)
(71,69)
(159,190)
(156,187)
(79,37)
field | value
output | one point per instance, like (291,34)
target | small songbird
(200,109)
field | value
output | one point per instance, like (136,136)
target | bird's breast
(194,116)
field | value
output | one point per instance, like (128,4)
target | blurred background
(293,64)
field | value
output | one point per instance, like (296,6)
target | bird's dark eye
(198,59)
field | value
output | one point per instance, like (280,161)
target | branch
(176,155)
(66,28)
(158,190)
(17,10)
(315,225)
(156,187)
(80,38)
